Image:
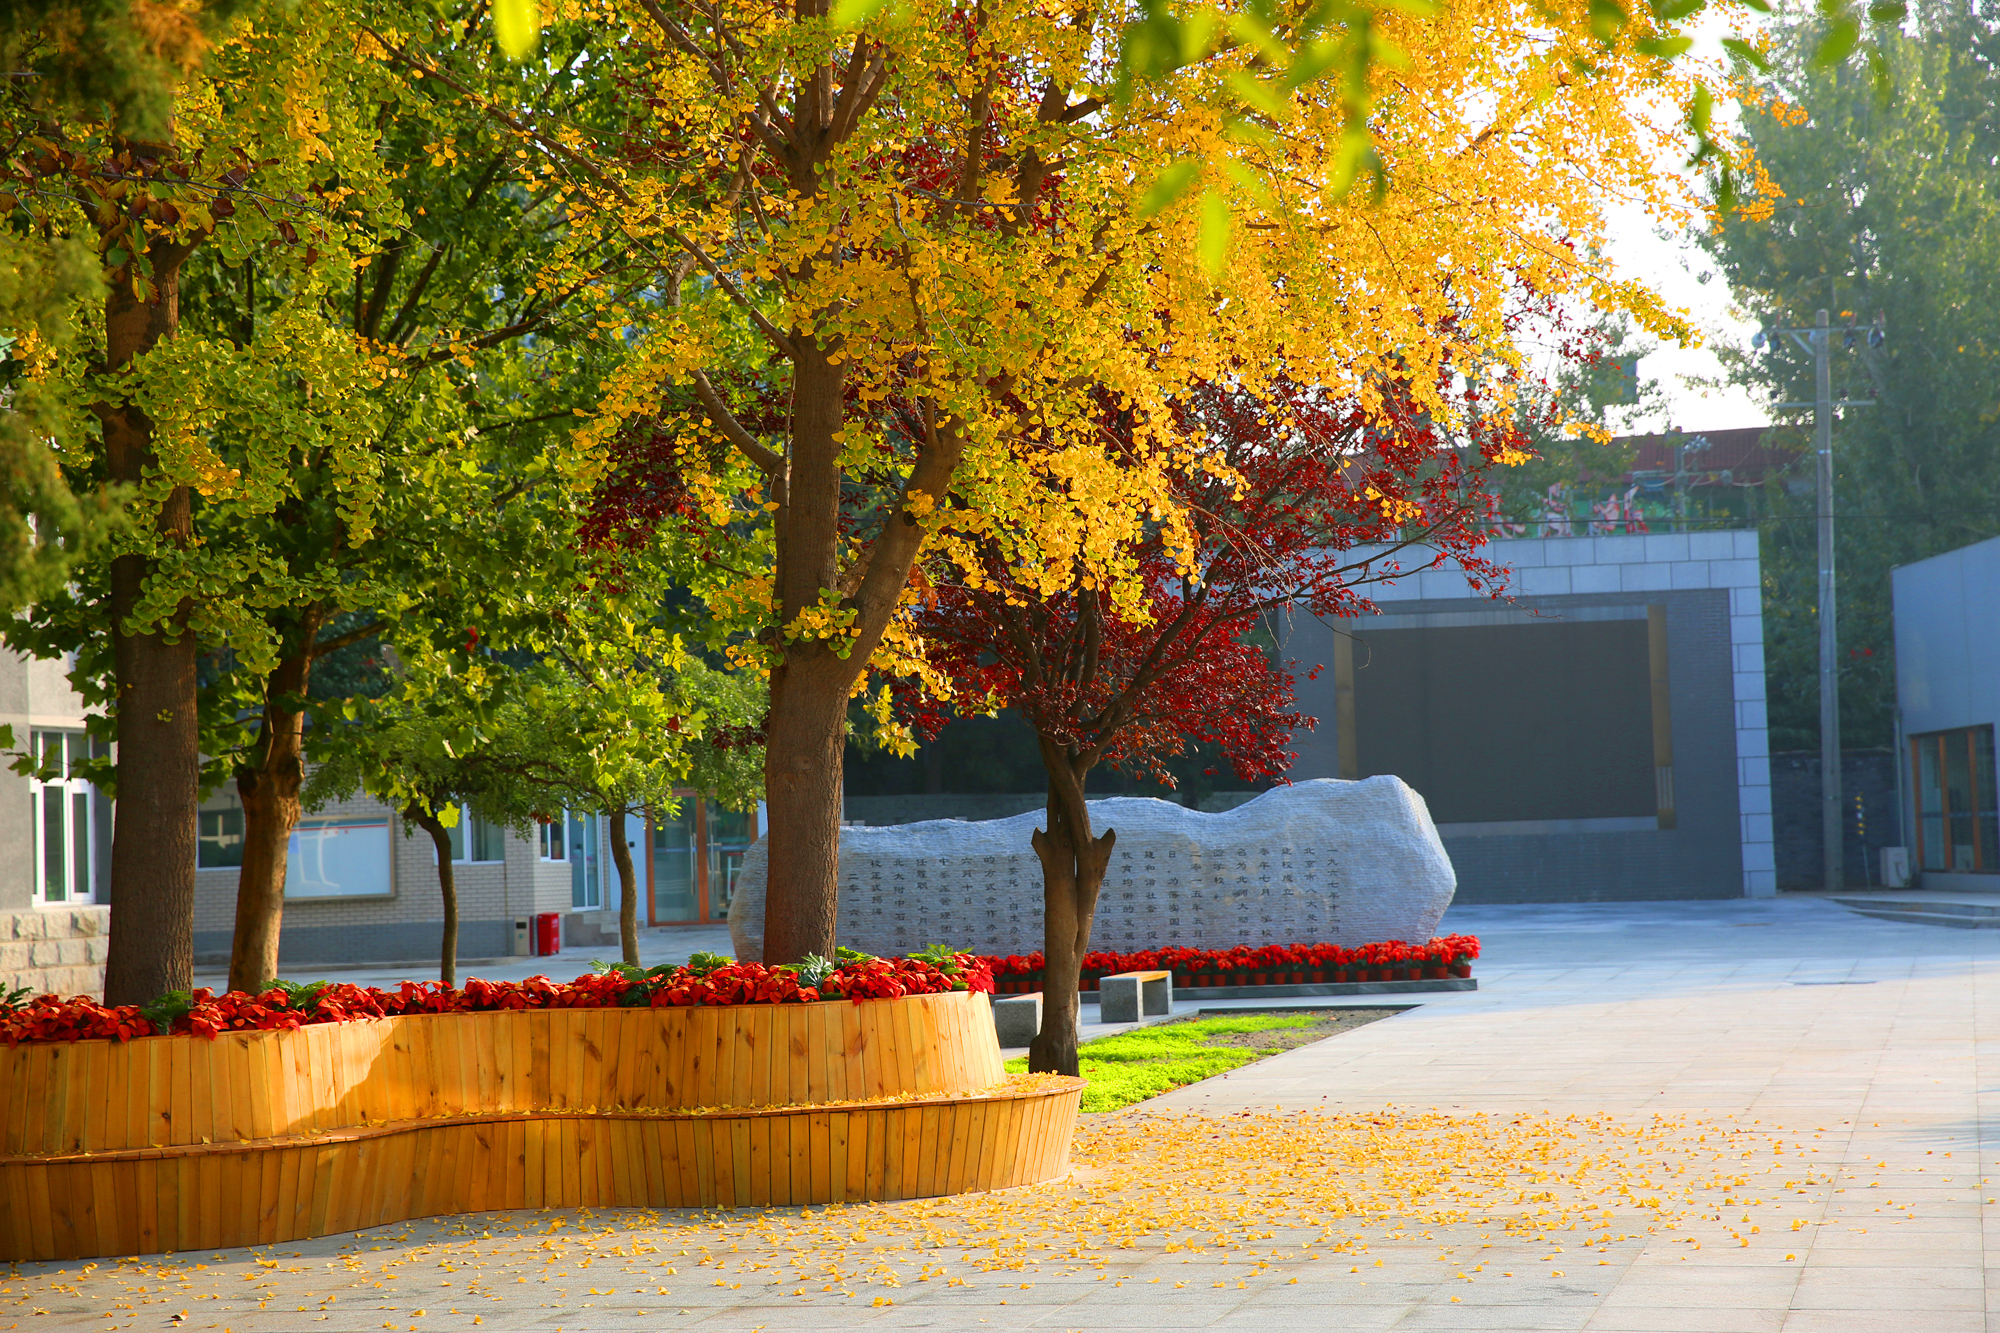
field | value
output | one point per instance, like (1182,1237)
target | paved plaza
(1675,1118)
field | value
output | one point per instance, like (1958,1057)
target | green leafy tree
(374,403)
(614,734)
(257,151)
(1891,209)
(118,63)
(44,526)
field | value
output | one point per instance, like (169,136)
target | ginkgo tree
(968,206)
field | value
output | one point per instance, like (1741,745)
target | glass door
(1957,799)
(696,855)
(586,886)
(676,876)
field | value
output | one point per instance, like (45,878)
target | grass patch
(1147,1061)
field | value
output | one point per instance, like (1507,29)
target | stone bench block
(1017,1019)
(1128,997)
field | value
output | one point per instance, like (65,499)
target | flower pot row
(1265,965)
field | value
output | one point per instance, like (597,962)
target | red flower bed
(1269,965)
(285,1005)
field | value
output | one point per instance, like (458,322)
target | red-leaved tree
(1297,502)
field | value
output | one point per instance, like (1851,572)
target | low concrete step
(1959,916)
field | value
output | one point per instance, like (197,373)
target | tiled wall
(1711,586)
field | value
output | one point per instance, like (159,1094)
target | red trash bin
(548,933)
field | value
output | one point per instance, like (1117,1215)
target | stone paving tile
(1687,1319)
(1885,1317)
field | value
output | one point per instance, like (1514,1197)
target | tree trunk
(805,738)
(628,890)
(1073,865)
(806,731)
(416,812)
(159,746)
(269,785)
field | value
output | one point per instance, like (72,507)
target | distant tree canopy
(1890,208)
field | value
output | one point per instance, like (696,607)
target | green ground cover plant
(1132,1066)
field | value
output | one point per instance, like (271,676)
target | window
(1958,815)
(586,885)
(72,822)
(549,841)
(219,839)
(339,858)
(473,839)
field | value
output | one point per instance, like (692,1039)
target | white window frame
(79,887)
(554,832)
(461,834)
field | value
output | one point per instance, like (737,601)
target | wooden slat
(46,1063)
(589,1075)
(698,1161)
(514,1165)
(12,1081)
(536,1092)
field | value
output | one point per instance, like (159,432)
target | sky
(1677,268)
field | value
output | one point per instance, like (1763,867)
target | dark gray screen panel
(1510,722)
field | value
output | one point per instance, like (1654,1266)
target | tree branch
(324,646)
(766,459)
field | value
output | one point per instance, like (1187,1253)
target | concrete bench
(1128,997)
(1017,1019)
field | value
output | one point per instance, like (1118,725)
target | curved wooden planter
(174,1143)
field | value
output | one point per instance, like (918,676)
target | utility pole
(1818,340)
(1831,843)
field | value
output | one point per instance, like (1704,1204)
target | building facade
(361,885)
(1947,624)
(55,840)
(1601,737)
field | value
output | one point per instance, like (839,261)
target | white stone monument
(1322,861)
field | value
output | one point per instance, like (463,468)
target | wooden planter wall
(173,1143)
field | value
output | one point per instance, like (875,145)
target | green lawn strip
(1147,1061)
